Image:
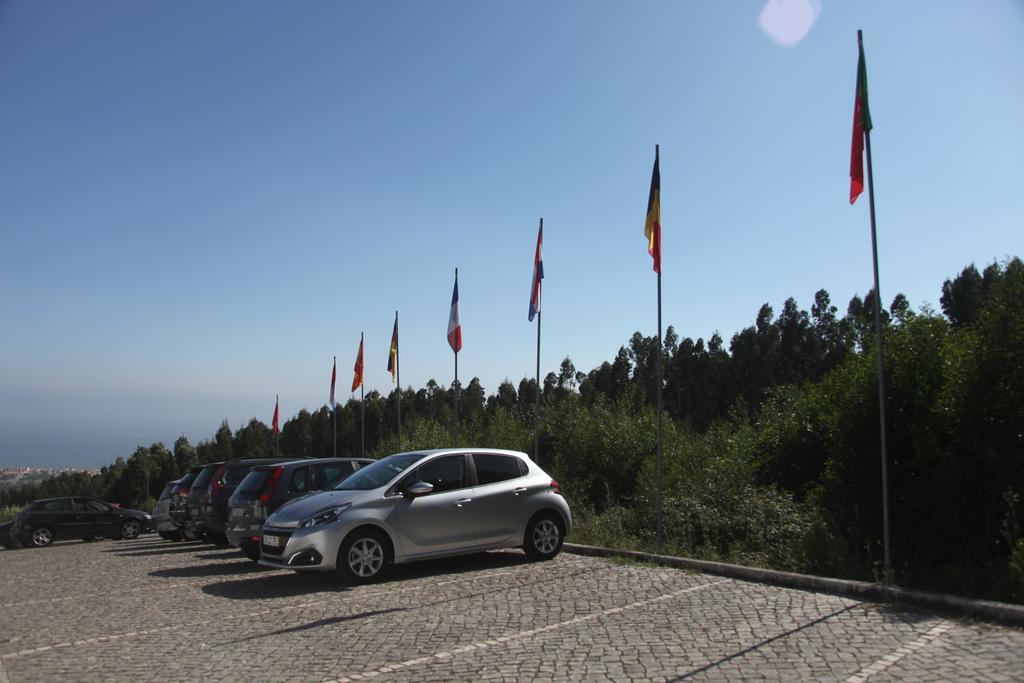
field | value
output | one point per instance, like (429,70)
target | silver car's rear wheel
(364,556)
(543,537)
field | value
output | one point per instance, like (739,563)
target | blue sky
(204,201)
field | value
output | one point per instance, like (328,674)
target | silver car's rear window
(379,473)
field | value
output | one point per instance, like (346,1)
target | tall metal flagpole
(398,381)
(456,399)
(536,406)
(656,158)
(277,435)
(457,387)
(659,416)
(334,405)
(362,409)
(880,347)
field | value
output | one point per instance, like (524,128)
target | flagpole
(536,405)
(656,155)
(362,407)
(277,434)
(659,412)
(398,381)
(880,353)
(457,380)
(334,407)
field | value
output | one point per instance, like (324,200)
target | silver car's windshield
(379,473)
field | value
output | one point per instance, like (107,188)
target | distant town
(12,477)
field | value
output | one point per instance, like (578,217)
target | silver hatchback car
(420,505)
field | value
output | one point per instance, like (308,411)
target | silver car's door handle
(462,502)
(521,489)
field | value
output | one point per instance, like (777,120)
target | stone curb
(986,610)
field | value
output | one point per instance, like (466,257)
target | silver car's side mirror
(420,488)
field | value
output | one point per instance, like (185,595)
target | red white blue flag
(454,323)
(538,274)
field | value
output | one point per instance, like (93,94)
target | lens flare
(787,22)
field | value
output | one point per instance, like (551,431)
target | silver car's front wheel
(364,556)
(543,537)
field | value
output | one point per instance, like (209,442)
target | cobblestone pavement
(150,610)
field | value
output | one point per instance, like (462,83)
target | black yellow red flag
(652,226)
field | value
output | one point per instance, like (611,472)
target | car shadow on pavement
(456,565)
(201,570)
(276,585)
(222,554)
(128,552)
(280,585)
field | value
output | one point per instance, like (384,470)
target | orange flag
(357,380)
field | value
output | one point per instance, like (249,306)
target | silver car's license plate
(273,541)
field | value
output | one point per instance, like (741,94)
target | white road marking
(484,644)
(221,619)
(883,663)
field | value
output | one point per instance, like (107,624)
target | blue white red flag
(538,274)
(454,323)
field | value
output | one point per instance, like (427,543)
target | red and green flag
(861,125)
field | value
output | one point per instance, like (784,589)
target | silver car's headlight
(325,516)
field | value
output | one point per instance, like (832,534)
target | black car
(42,522)
(178,508)
(5,535)
(196,500)
(222,485)
(267,487)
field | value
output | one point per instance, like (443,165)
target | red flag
(861,125)
(273,426)
(652,226)
(357,379)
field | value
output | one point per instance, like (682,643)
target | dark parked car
(222,485)
(196,500)
(165,526)
(42,522)
(5,535)
(219,489)
(178,508)
(268,487)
